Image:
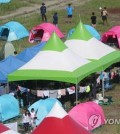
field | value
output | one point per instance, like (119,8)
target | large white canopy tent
(55,62)
(82,43)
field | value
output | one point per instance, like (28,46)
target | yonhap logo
(95,121)
(112,121)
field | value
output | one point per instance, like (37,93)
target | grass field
(32,19)
(111,112)
(15,5)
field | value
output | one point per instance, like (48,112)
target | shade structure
(91,29)
(85,45)
(81,33)
(3,77)
(55,62)
(28,53)
(89,114)
(9,65)
(95,50)
(6,130)
(90,48)
(12,62)
(59,122)
(43,107)
(43,32)
(9,31)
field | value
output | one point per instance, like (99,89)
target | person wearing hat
(43,12)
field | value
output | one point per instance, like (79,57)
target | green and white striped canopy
(83,44)
(55,62)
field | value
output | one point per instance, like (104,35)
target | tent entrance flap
(38,35)
(4,34)
(112,40)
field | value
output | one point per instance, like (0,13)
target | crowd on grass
(69,11)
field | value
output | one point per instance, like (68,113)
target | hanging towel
(82,89)
(46,93)
(88,89)
(70,91)
(53,93)
(40,93)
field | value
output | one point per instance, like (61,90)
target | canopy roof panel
(55,62)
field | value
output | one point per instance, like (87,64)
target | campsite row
(81,55)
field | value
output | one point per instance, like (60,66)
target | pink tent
(43,32)
(90,115)
(112,36)
(59,122)
(6,130)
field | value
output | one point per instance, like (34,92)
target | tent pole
(7,88)
(103,88)
(76,93)
(103,85)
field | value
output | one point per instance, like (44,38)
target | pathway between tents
(51,4)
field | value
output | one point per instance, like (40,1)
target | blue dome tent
(13,31)
(43,107)
(9,107)
(91,30)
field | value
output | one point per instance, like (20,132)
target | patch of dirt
(114,10)
(59,4)
(114,15)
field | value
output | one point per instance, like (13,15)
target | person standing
(93,19)
(32,116)
(43,12)
(26,120)
(69,10)
(55,19)
(104,15)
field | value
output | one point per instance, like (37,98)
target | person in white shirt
(33,116)
(26,120)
